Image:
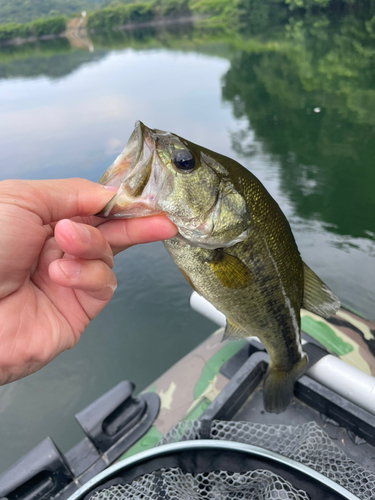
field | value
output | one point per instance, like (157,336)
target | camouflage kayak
(346,334)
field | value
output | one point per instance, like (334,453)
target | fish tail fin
(279,385)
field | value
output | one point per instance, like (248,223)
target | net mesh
(307,444)
(173,484)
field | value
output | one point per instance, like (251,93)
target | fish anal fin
(230,271)
(317,297)
(279,385)
(234,332)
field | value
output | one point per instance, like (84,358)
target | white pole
(332,372)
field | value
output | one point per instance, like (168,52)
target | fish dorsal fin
(234,332)
(317,297)
(230,270)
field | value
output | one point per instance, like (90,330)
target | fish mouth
(137,174)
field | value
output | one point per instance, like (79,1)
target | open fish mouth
(138,175)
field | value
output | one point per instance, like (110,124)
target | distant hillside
(23,11)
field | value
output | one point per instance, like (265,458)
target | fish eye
(184,160)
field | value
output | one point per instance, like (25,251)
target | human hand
(55,274)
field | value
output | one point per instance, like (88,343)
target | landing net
(307,444)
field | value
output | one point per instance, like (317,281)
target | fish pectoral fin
(317,297)
(230,270)
(234,332)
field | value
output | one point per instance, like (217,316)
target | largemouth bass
(234,245)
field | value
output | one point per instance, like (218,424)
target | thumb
(52,200)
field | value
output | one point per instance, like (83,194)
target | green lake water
(295,105)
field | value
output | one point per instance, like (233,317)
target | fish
(234,245)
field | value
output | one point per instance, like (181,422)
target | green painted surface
(213,365)
(325,335)
(198,409)
(149,440)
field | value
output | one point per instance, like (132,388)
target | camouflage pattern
(188,387)
(346,334)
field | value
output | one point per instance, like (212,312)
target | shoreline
(164,21)
(72,31)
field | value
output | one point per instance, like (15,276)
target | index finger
(122,234)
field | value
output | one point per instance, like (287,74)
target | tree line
(39,27)
(247,16)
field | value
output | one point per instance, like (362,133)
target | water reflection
(53,59)
(310,100)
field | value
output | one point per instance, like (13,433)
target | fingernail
(112,287)
(110,257)
(84,233)
(70,268)
(110,188)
